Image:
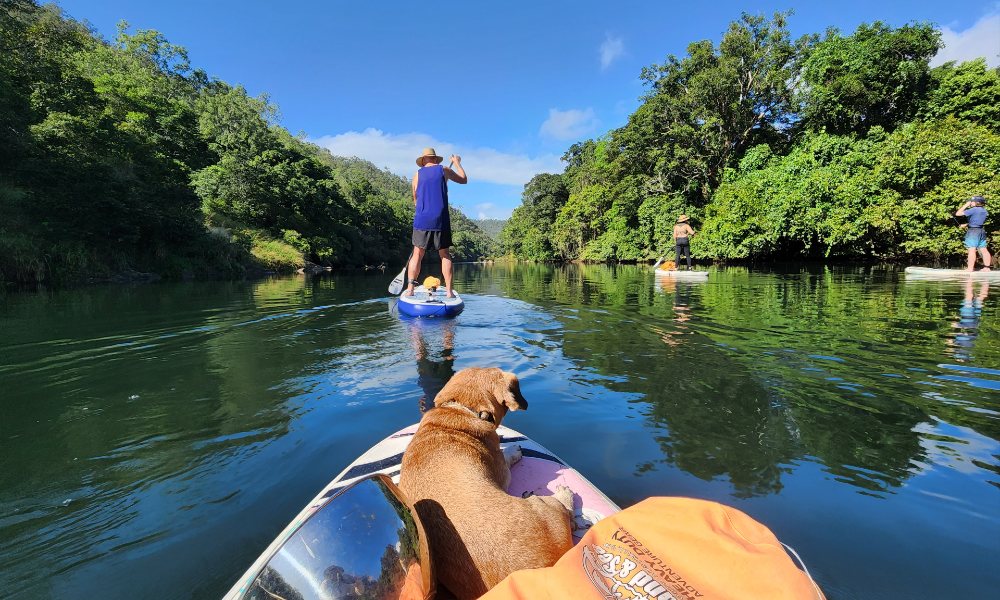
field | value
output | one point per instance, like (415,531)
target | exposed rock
(313,269)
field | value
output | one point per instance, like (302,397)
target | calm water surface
(155,438)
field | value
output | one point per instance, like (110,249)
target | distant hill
(490,227)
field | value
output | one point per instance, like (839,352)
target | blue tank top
(977,216)
(432,200)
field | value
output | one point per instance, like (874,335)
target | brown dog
(455,475)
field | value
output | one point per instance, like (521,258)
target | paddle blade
(397,284)
(657,263)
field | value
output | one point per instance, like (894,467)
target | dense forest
(823,146)
(119,157)
(491,227)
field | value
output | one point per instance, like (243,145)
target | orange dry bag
(668,549)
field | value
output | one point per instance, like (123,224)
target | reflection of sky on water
(958,448)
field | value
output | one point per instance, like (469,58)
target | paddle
(657,263)
(396,286)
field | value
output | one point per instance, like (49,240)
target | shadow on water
(165,433)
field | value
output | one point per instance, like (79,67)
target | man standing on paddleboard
(975,234)
(431,222)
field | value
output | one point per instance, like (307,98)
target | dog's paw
(565,496)
(585,518)
(512,454)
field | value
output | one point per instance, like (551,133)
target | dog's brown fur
(455,475)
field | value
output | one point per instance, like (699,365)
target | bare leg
(971,263)
(447,269)
(987,259)
(413,269)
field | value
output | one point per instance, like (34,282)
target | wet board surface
(538,472)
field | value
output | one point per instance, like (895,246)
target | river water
(155,438)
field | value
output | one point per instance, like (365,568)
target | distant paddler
(682,242)
(975,233)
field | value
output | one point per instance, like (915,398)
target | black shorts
(432,239)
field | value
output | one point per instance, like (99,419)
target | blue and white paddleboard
(424,303)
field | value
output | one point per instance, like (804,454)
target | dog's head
(486,392)
(432,283)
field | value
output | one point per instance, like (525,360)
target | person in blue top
(431,222)
(975,232)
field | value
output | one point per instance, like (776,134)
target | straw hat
(682,219)
(428,155)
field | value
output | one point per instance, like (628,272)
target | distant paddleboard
(689,275)
(952,274)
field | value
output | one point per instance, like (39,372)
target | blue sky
(509,86)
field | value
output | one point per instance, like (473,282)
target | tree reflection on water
(754,374)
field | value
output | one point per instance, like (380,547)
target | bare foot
(451,294)
(408,292)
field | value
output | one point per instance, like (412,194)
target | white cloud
(486,210)
(398,153)
(982,39)
(571,124)
(611,50)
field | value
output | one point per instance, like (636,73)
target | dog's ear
(511,396)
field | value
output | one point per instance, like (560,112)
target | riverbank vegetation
(847,146)
(120,157)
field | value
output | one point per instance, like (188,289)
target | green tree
(882,195)
(704,111)
(969,91)
(528,231)
(114,156)
(878,76)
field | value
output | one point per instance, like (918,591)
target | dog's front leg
(565,497)
(511,454)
